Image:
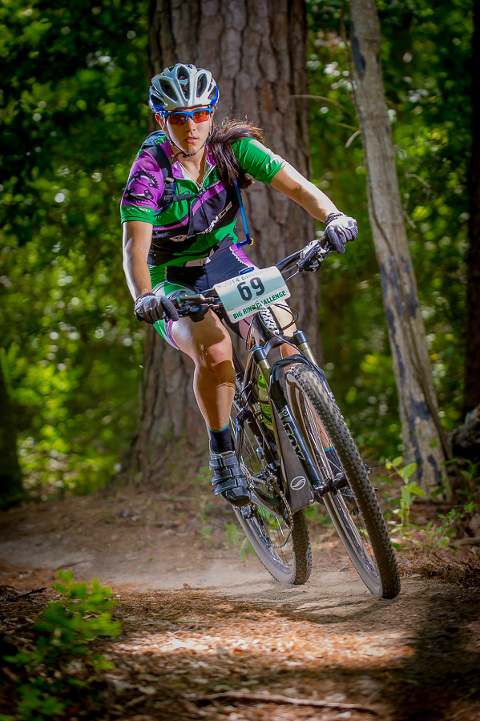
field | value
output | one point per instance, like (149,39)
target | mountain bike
(286,423)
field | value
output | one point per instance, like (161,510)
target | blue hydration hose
(248,239)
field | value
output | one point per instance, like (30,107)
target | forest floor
(209,635)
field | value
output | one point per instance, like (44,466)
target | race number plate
(253,291)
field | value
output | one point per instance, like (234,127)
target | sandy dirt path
(205,634)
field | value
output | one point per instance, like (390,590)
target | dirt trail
(200,625)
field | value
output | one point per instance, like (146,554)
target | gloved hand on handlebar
(150,308)
(340,228)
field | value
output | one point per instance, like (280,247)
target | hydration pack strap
(169,194)
(248,239)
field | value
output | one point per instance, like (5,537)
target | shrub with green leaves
(409,490)
(51,677)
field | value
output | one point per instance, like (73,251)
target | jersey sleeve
(257,159)
(143,191)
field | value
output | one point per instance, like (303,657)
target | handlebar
(308,258)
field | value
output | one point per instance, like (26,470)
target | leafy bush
(51,677)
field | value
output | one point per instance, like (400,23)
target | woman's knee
(194,338)
(208,344)
(216,358)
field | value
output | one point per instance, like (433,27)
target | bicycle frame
(305,484)
(285,462)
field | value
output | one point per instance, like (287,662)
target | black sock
(221,441)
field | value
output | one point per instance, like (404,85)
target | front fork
(271,375)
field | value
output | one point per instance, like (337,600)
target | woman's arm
(137,238)
(292,184)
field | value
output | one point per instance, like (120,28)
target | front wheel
(352,504)
(278,537)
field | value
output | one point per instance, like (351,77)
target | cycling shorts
(173,281)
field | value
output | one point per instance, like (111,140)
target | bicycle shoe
(228,479)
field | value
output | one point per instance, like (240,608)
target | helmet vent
(201,84)
(167,89)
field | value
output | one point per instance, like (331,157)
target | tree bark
(256,52)
(465,440)
(472,359)
(423,438)
(11,490)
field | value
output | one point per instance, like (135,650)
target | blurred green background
(74,112)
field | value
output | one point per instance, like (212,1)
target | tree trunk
(422,434)
(256,52)
(472,360)
(465,441)
(11,490)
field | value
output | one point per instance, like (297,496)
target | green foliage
(206,529)
(397,510)
(406,532)
(233,533)
(61,665)
(467,486)
(433,534)
(246,549)
(74,72)
(426,55)
(441,536)
(74,84)
(408,491)
(311,512)
(233,537)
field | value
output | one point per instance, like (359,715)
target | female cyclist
(179,214)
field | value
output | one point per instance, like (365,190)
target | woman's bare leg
(209,346)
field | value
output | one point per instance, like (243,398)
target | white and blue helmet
(182,86)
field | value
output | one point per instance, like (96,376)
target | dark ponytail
(221,141)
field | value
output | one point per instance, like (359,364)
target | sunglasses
(198,116)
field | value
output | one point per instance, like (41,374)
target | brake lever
(314,257)
(309,263)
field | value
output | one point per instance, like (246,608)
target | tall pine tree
(422,433)
(256,52)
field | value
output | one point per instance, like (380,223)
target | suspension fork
(258,356)
(277,396)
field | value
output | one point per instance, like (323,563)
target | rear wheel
(278,537)
(351,504)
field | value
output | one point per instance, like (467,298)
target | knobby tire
(354,509)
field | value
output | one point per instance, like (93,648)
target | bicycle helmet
(182,86)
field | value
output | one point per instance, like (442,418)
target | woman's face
(189,136)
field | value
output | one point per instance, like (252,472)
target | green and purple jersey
(187,229)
